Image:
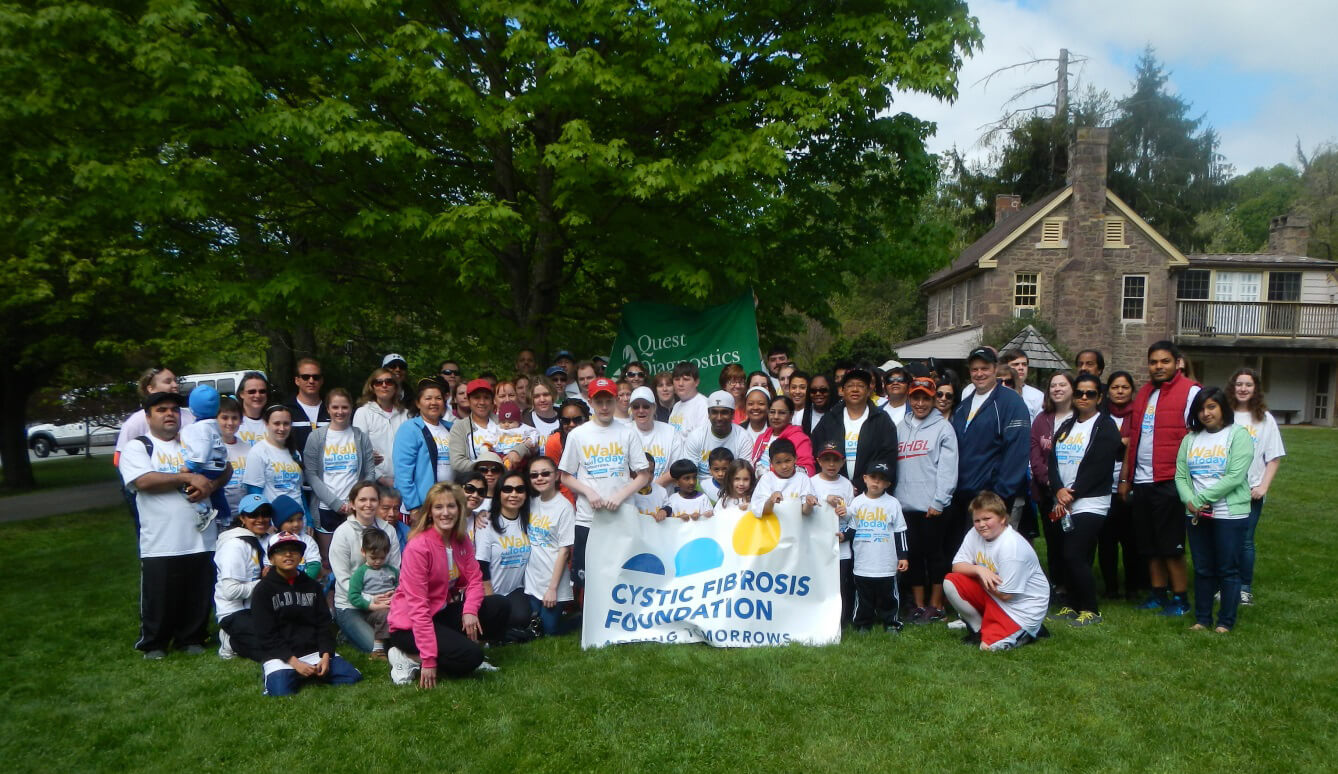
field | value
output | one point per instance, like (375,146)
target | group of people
(438,515)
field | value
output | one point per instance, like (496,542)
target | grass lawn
(72,471)
(1140,693)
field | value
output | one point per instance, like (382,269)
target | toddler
(686,502)
(780,483)
(203,449)
(510,433)
(371,585)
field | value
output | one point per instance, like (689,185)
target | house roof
(1260,260)
(1037,349)
(953,344)
(981,253)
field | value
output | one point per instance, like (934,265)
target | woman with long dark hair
(503,552)
(1117,534)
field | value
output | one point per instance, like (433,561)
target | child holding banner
(836,490)
(780,482)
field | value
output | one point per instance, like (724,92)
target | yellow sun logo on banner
(756,535)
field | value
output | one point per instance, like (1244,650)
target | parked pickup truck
(72,438)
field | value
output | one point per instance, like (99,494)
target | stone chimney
(1288,234)
(1087,172)
(1006,206)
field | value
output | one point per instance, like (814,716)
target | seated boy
(686,502)
(371,585)
(780,483)
(292,624)
(879,544)
(996,583)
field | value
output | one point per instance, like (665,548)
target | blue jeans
(1247,548)
(353,623)
(550,617)
(1216,547)
(287,682)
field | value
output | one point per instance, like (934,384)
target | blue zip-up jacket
(415,470)
(992,451)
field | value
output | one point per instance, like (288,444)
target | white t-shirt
(167,521)
(313,413)
(709,488)
(202,446)
(1014,561)
(506,552)
(896,412)
(275,470)
(663,443)
(340,461)
(552,527)
(1035,400)
(237,564)
(877,524)
(603,457)
(688,415)
(543,428)
(235,489)
(502,440)
(1069,454)
(647,504)
(842,488)
(853,427)
(442,435)
(251,431)
(1143,456)
(977,400)
(680,505)
(1267,444)
(698,445)
(796,487)
(1209,454)
(380,427)
(1119,459)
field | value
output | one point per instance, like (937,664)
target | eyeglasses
(449,372)
(310,377)
(383,382)
(471,489)
(540,473)
(511,489)
(1086,394)
(570,420)
(636,374)
(261,391)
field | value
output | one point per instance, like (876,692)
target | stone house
(1082,259)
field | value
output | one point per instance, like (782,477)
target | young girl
(739,483)
(1247,401)
(336,457)
(1212,479)
(552,532)
(503,551)
(274,468)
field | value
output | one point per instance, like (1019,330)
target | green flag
(662,336)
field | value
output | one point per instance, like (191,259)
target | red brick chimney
(1006,206)
(1288,234)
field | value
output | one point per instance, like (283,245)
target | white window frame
(1036,283)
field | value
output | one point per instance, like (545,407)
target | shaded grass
(1139,693)
(74,471)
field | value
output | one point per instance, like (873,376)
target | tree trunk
(14,394)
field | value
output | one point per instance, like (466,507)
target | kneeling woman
(426,633)
(1212,479)
(503,551)
(996,583)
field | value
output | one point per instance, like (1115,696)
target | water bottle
(1066,522)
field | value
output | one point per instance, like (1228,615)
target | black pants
(847,590)
(457,655)
(928,561)
(518,609)
(1079,550)
(1054,544)
(1117,539)
(876,599)
(175,595)
(242,637)
(578,560)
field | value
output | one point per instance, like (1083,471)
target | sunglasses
(261,391)
(449,372)
(471,489)
(636,374)
(488,470)
(570,420)
(383,382)
(310,377)
(541,474)
(944,395)
(896,380)
(511,489)
(1086,394)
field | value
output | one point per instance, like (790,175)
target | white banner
(733,580)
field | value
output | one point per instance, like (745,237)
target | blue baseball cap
(554,370)
(254,502)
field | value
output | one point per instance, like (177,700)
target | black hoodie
(290,617)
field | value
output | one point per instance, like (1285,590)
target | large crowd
(450,513)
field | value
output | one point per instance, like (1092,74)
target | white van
(226,382)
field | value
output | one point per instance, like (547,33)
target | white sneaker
(484,666)
(225,650)
(403,667)
(959,624)
(1247,598)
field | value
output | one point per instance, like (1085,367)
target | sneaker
(957,625)
(1247,597)
(379,654)
(193,650)
(403,668)
(225,650)
(895,628)
(1176,607)
(1086,618)
(1151,603)
(1065,613)
(485,666)
(934,614)
(155,655)
(1217,596)
(918,616)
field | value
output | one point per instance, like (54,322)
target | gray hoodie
(926,463)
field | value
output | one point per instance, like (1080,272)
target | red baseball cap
(604,385)
(477,384)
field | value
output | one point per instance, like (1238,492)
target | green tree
(1240,224)
(1318,199)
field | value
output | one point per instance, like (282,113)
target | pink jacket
(803,447)
(426,586)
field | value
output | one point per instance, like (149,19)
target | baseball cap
(603,385)
(154,398)
(253,503)
(982,353)
(554,371)
(392,357)
(720,399)
(643,393)
(923,384)
(880,469)
(509,411)
(861,374)
(285,508)
(561,353)
(889,365)
(477,384)
(286,540)
(832,447)
(203,402)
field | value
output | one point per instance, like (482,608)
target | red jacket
(1168,427)
(426,585)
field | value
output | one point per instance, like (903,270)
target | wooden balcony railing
(1256,318)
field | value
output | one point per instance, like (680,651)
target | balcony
(1230,320)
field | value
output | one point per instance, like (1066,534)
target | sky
(1262,73)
